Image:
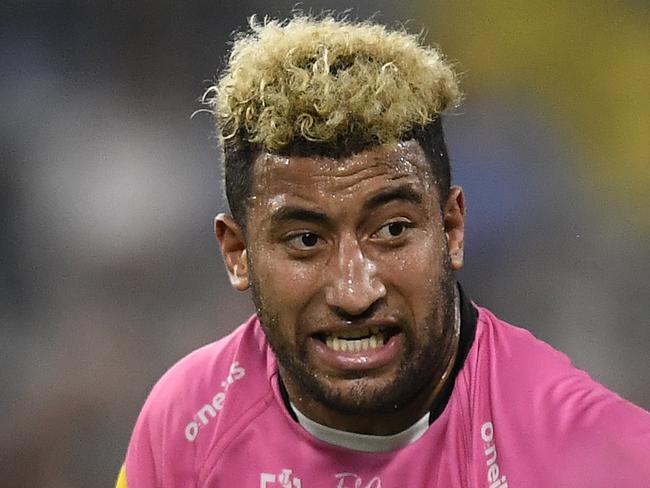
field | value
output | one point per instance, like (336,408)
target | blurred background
(109,271)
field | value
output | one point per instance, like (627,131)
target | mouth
(357,350)
(357,340)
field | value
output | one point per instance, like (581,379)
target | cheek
(287,284)
(415,277)
(417,264)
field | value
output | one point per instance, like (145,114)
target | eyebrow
(403,192)
(299,213)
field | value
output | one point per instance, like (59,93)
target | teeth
(354,334)
(355,344)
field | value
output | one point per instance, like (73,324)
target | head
(344,224)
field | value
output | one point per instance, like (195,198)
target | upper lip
(340,328)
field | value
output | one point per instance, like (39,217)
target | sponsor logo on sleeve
(208,411)
(493,471)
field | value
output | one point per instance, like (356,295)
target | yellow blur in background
(588,64)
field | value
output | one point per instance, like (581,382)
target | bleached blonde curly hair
(328,81)
(327,86)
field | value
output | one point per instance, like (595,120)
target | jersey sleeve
(159,454)
(144,462)
(550,422)
(187,411)
(597,437)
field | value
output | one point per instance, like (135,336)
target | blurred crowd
(109,271)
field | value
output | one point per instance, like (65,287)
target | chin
(364,395)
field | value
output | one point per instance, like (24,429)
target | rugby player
(366,364)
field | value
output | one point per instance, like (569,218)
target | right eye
(303,241)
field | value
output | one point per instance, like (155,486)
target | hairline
(335,153)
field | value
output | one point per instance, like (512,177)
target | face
(350,261)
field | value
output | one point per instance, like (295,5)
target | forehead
(329,178)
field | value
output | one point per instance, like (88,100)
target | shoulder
(534,400)
(213,366)
(526,366)
(501,342)
(530,366)
(197,403)
(197,386)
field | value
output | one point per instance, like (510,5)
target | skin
(339,245)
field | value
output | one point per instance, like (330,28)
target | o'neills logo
(493,472)
(209,410)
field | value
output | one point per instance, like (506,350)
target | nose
(353,282)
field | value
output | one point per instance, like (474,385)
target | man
(366,365)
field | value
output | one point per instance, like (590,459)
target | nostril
(353,282)
(352,297)
(367,313)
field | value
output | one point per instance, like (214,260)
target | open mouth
(356,340)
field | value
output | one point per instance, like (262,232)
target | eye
(304,240)
(393,230)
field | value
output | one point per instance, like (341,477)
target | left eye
(392,230)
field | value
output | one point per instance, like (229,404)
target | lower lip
(368,359)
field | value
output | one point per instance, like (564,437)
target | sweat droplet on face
(405,165)
(277,202)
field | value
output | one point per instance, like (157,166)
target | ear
(454,221)
(233,249)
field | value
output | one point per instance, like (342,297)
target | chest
(273,453)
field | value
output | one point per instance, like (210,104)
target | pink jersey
(519,415)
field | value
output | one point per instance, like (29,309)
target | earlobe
(233,249)
(454,222)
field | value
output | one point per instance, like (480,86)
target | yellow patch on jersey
(121,479)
